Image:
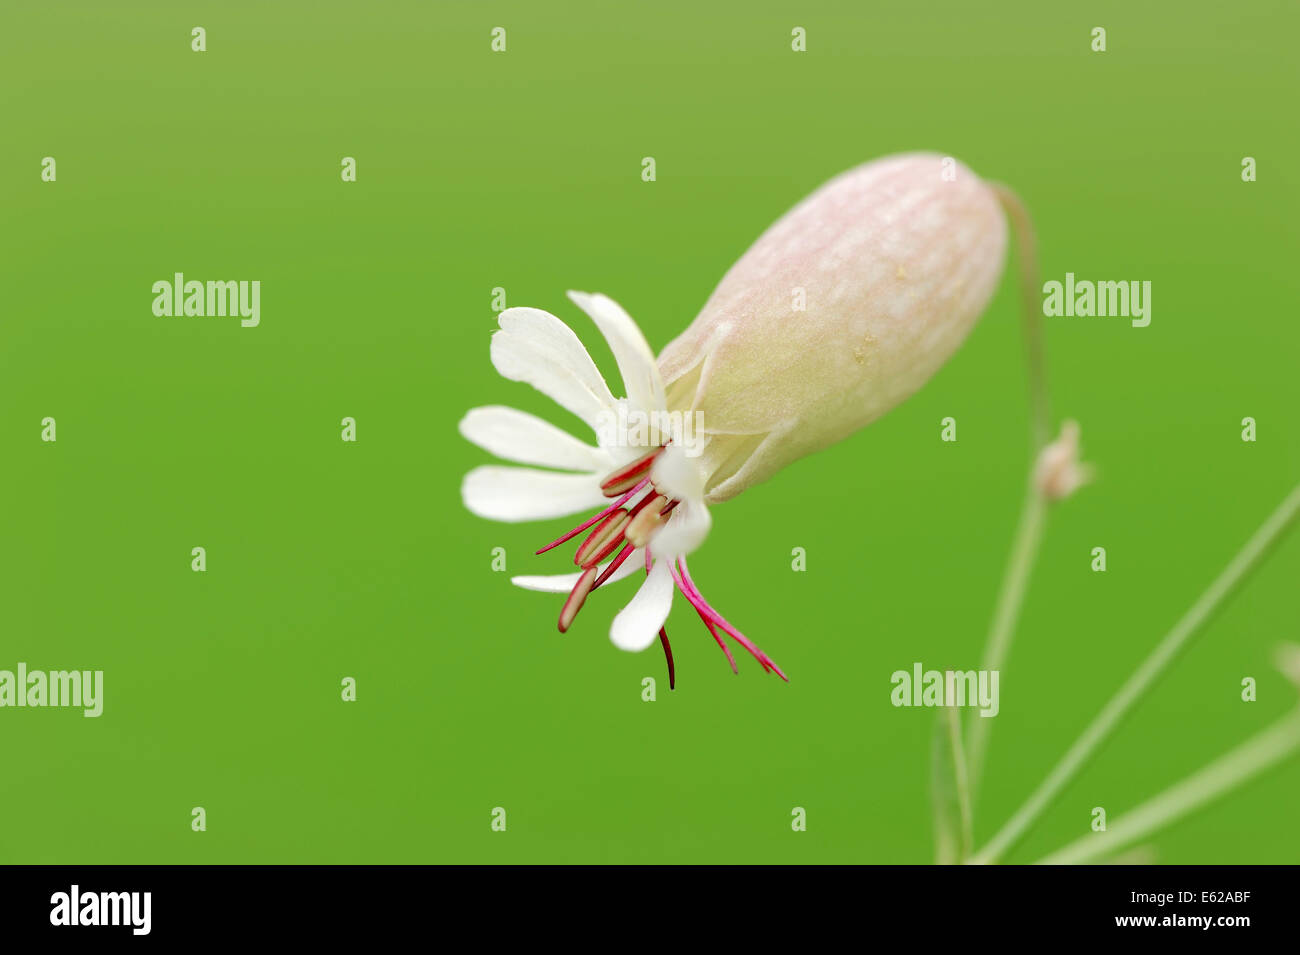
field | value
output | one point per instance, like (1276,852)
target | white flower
(641,474)
(890,264)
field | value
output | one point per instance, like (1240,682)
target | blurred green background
(522,170)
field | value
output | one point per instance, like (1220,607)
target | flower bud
(1058,472)
(840,310)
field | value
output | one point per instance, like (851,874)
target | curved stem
(1142,679)
(1033,513)
(1031,312)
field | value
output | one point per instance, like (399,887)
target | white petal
(524,494)
(563,583)
(518,436)
(534,346)
(679,475)
(637,624)
(684,532)
(636,361)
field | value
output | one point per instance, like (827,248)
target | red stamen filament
(613,565)
(583,526)
(615,528)
(692,593)
(668,655)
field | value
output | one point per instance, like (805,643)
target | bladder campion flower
(892,263)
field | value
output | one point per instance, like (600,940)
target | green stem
(951,782)
(1033,513)
(1142,679)
(1235,767)
(1015,581)
(1031,313)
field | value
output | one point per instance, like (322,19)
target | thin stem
(1031,312)
(1230,770)
(961,781)
(1143,678)
(1024,551)
(1029,531)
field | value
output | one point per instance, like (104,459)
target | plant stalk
(1142,679)
(1257,754)
(1011,598)
(1033,512)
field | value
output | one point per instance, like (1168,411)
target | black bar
(932,905)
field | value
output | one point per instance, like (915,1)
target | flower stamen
(692,593)
(668,655)
(622,530)
(614,564)
(608,532)
(648,518)
(573,603)
(583,526)
(629,474)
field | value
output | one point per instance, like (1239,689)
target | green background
(522,170)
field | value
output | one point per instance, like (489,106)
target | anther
(628,475)
(576,598)
(647,520)
(606,531)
